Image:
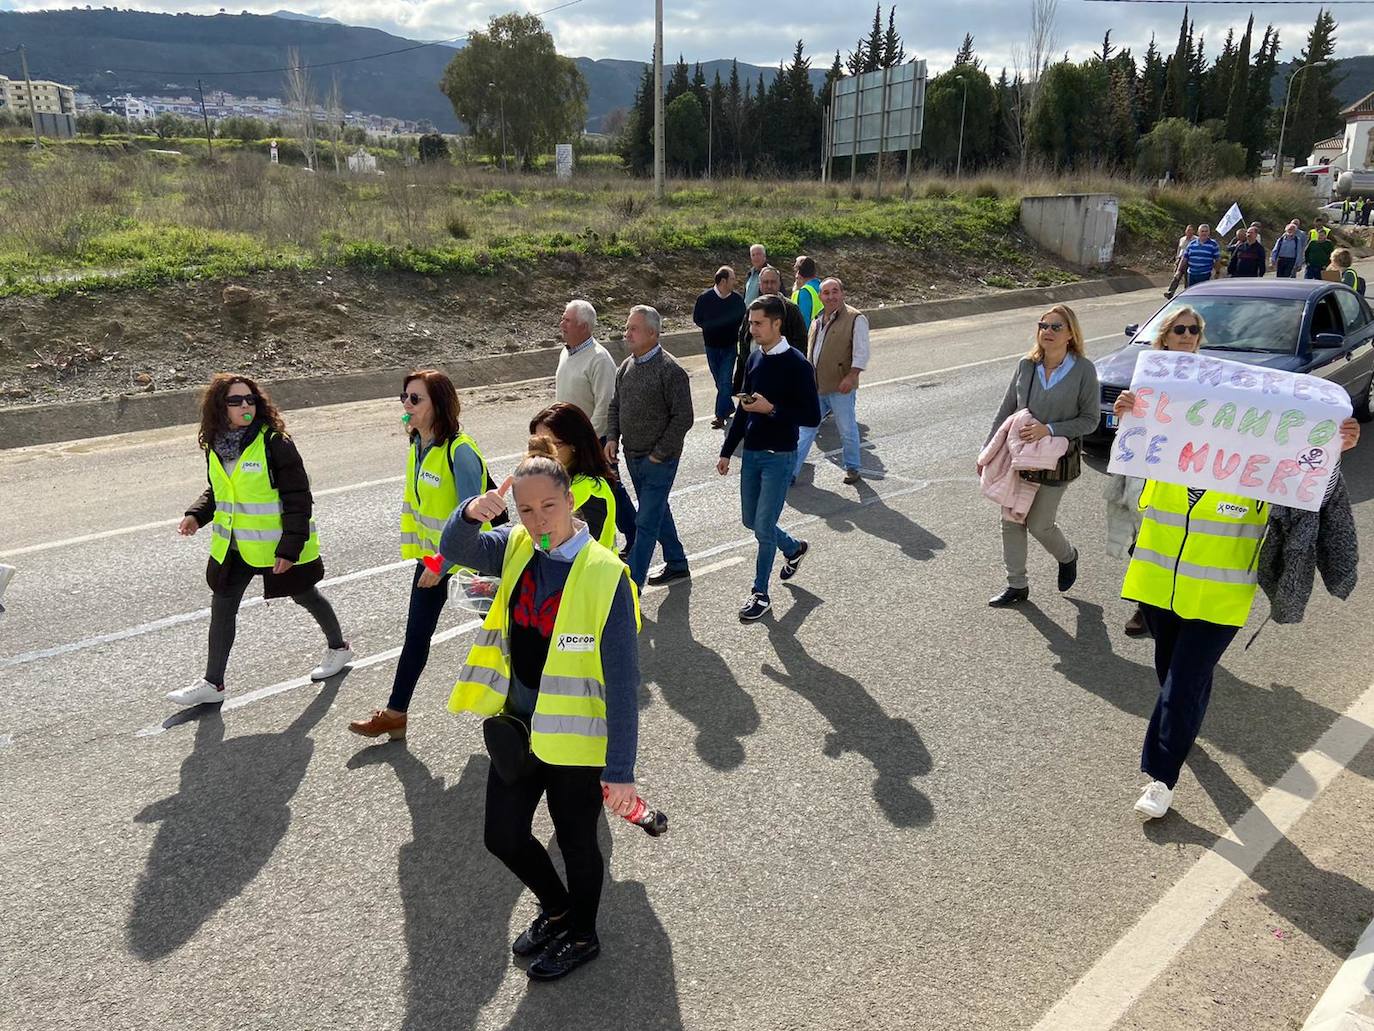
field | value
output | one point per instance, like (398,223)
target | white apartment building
(52,98)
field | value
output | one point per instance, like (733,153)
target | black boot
(1068,572)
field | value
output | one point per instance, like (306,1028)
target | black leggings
(426,604)
(224,615)
(575,806)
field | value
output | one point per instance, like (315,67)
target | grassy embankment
(78,216)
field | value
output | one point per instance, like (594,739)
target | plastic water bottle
(653,822)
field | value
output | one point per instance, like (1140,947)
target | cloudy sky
(708,29)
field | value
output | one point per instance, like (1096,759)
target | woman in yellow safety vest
(579,449)
(1193,572)
(259,506)
(443,464)
(555,668)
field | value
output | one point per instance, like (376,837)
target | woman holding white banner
(1057,384)
(1193,572)
(1182,330)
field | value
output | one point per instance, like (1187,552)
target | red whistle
(434,563)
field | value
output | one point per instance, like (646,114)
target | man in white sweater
(586,370)
(586,378)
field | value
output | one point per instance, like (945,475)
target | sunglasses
(1053,327)
(239,400)
(1180,330)
(414,399)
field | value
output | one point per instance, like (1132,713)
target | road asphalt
(891,807)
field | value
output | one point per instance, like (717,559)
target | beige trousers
(1039,524)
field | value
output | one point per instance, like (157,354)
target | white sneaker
(1155,800)
(335,659)
(199,693)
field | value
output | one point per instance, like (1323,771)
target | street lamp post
(501,99)
(959,160)
(1283,122)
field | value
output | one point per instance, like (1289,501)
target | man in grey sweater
(651,412)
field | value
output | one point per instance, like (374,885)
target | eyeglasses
(1180,330)
(1053,327)
(239,400)
(414,399)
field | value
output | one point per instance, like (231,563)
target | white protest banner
(1231,218)
(1208,422)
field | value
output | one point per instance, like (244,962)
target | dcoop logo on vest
(252,467)
(431,478)
(1225,508)
(576,642)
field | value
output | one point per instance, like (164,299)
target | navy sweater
(467,545)
(788,381)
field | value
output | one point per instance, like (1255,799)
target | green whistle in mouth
(544,542)
(247,416)
(406,417)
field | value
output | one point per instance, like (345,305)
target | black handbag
(1066,470)
(508,744)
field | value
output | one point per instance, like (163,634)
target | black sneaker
(667,576)
(563,957)
(758,604)
(1009,597)
(793,563)
(544,930)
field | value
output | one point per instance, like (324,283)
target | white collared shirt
(778,348)
(859,358)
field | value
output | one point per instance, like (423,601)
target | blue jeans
(1312,272)
(1194,278)
(842,406)
(654,524)
(721,361)
(764,479)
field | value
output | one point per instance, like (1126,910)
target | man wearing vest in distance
(837,348)
(806,289)
(443,464)
(555,669)
(259,507)
(1193,573)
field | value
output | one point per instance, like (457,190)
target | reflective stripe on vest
(430,494)
(815,301)
(568,727)
(248,510)
(584,487)
(1201,564)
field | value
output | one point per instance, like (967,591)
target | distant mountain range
(108,51)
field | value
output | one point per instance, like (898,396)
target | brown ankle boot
(380,723)
(1135,626)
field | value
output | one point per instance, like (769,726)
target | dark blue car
(1298,325)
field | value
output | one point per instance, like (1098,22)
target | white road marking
(237,701)
(1124,973)
(363,485)
(1345,1004)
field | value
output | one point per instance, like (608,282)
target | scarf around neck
(230,443)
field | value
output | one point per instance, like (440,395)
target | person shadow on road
(457,897)
(890,743)
(221,827)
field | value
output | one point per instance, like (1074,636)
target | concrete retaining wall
(45,424)
(1079,227)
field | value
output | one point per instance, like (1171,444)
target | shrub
(457,225)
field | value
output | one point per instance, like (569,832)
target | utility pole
(658,100)
(28,83)
(209,147)
(710,130)
(501,100)
(1283,122)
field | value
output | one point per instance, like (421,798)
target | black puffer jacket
(1299,544)
(288,474)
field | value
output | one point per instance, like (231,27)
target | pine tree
(1105,54)
(679,83)
(1316,111)
(637,141)
(1175,100)
(893,51)
(734,118)
(1238,104)
(1257,111)
(965,54)
(699,86)
(718,125)
(1214,85)
(868,52)
(1150,90)
(1195,72)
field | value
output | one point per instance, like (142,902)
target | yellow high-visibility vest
(815,302)
(248,509)
(584,487)
(568,727)
(1199,562)
(430,495)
